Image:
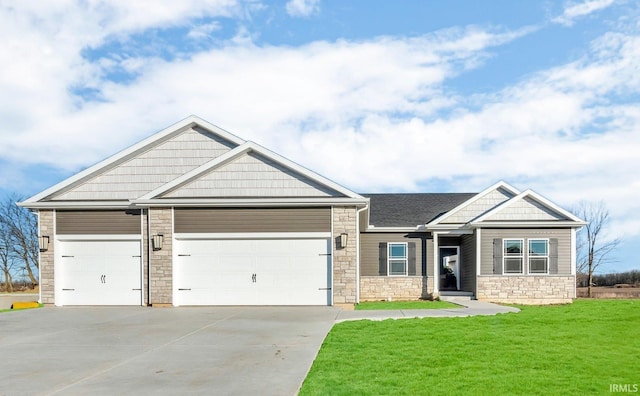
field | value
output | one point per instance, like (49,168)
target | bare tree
(593,249)
(22,234)
(6,259)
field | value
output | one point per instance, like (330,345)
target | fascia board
(528,224)
(500,184)
(521,196)
(239,202)
(392,229)
(77,205)
(186,123)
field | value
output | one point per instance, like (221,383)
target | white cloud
(302,8)
(374,115)
(574,11)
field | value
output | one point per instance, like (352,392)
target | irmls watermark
(624,388)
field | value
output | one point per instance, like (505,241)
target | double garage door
(267,271)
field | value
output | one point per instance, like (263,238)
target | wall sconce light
(157,241)
(343,240)
(43,241)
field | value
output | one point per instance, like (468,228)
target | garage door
(253,272)
(100,273)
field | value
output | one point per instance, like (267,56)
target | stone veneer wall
(46,267)
(145,257)
(374,288)
(161,261)
(527,289)
(344,260)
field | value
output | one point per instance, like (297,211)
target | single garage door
(253,272)
(100,273)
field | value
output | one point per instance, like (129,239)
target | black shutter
(382,259)
(553,255)
(411,258)
(497,256)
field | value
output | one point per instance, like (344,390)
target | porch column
(436,265)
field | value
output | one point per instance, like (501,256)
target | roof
(410,210)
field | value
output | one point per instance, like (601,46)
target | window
(397,258)
(538,256)
(513,256)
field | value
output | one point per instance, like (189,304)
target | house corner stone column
(161,261)
(345,275)
(46,265)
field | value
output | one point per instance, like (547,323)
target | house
(195,215)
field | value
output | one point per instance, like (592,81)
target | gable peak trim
(501,184)
(535,196)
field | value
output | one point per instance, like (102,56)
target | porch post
(436,265)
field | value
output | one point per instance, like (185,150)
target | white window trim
(529,257)
(504,257)
(406,258)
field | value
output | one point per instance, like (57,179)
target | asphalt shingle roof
(409,210)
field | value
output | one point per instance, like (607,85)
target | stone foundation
(373,288)
(531,290)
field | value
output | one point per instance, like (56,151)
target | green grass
(574,349)
(375,305)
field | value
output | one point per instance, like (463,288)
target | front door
(449,268)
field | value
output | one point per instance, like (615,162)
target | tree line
(623,278)
(18,244)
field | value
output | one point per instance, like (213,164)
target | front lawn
(577,349)
(422,304)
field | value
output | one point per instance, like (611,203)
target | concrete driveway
(137,350)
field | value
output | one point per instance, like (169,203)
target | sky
(379,96)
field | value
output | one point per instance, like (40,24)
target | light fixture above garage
(343,240)
(43,241)
(157,241)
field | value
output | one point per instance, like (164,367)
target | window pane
(538,265)
(397,250)
(512,247)
(397,267)
(538,247)
(513,265)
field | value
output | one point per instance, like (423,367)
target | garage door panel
(100,273)
(253,272)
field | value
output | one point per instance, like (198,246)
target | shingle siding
(151,169)
(477,208)
(251,175)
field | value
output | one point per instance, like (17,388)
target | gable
(526,209)
(250,175)
(482,205)
(155,166)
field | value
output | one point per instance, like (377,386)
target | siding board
(562,234)
(98,222)
(370,250)
(229,220)
(468,264)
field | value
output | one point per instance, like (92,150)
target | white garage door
(253,272)
(100,273)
